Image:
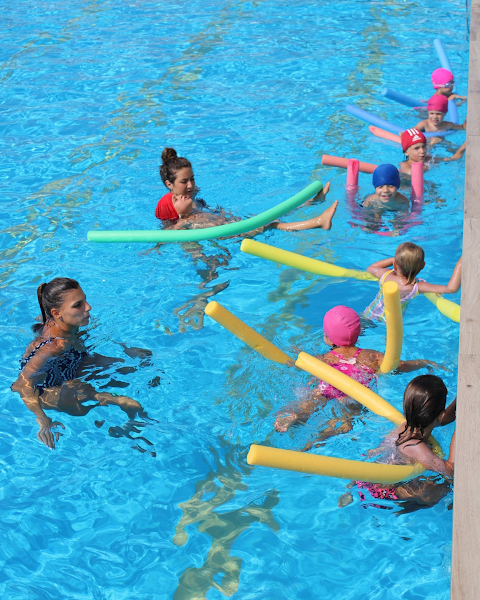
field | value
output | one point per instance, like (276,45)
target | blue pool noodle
(372,119)
(364,115)
(402,99)
(452,112)
(443,58)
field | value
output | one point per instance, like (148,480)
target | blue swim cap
(386,175)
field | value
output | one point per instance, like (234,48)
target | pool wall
(466,509)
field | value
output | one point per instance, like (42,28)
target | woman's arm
(452,286)
(25,386)
(378,268)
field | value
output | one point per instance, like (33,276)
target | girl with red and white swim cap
(414,145)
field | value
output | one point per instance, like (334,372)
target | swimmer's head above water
(341,326)
(437,109)
(443,81)
(409,261)
(177,174)
(386,181)
(424,401)
(63,302)
(414,145)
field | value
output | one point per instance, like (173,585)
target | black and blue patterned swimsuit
(57,369)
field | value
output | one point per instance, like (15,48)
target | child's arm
(423,454)
(407,366)
(369,200)
(449,414)
(452,286)
(451,454)
(380,267)
(457,96)
(457,156)
(455,126)
(421,125)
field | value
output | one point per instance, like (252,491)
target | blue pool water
(252,93)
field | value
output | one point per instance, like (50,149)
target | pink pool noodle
(352,172)
(417,181)
(386,135)
(336,161)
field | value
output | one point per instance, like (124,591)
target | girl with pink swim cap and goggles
(443,82)
(414,145)
(437,108)
(341,326)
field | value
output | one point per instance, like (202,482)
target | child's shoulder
(370,199)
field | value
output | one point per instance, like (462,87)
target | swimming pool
(252,93)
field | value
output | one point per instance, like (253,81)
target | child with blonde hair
(408,261)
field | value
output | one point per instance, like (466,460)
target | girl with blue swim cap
(386,181)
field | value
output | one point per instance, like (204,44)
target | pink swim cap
(438,102)
(342,326)
(440,77)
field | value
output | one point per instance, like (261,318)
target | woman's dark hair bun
(171,163)
(168,154)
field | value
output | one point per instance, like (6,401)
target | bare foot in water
(320,197)
(325,219)
(282,424)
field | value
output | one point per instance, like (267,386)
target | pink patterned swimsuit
(361,373)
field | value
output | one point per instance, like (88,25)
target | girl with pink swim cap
(437,109)
(443,82)
(341,326)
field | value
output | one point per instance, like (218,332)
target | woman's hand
(45,434)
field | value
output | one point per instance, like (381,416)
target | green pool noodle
(208,233)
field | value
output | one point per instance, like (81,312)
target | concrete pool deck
(466,507)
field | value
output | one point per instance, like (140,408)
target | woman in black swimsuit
(56,357)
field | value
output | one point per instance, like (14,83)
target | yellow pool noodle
(314,464)
(350,387)
(318,267)
(303,263)
(448,308)
(309,463)
(245,333)
(394,322)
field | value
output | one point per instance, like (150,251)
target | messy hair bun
(171,164)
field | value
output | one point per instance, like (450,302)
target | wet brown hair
(423,402)
(171,164)
(410,259)
(51,295)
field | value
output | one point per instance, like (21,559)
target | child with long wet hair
(424,404)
